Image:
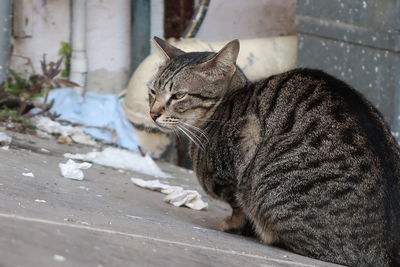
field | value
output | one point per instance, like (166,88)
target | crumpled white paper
(4,139)
(28,174)
(176,195)
(73,170)
(122,159)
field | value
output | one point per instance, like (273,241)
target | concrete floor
(105,220)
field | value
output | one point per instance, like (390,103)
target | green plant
(12,115)
(16,86)
(17,93)
(66,52)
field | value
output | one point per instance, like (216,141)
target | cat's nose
(154,115)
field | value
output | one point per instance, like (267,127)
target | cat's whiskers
(187,133)
(199,130)
(196,137)
(177,133)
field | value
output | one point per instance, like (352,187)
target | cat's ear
(228,54)
(169,51)
(223,62)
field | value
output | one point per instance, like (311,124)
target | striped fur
(301,156)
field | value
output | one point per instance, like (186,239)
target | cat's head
(189,86)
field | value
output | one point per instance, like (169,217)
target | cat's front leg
(234,222)
(237,223)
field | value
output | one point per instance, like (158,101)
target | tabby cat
(301,156)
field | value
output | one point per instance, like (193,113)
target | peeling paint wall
(108,49)
(46,24)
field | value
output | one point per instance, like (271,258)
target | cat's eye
(179,95)
(152,92)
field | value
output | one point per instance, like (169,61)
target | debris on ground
(59,258)
(176,195)
(73,170)
(64,139)
(47,125)
(43,134)
(28,174)
(67,133)
(45,150)
(40,201)
(84,188)
(19,94)
(101,110)
(82,138)
(122,159)
(5,140)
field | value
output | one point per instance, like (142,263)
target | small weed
(66,52)
(17,94)
(11,115)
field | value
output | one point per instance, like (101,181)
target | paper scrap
(73,170)
(176,195)
(40,200)
(46,124)
(45,150)
(84,188)
(28,174)
(59,258)
(122,159)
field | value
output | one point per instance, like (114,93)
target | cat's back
(326,147)
(303,99)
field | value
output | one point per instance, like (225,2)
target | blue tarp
(95,110)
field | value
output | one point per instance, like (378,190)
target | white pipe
(78,58)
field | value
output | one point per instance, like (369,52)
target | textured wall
(108,39)
(108,42)
(358,42)
(46,25)
(232,19)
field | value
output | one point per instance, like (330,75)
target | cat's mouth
(175,125)
(168,124)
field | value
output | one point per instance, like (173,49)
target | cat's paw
(233,224)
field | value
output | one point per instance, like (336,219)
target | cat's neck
(222,113)
(239,87)
(222,118)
